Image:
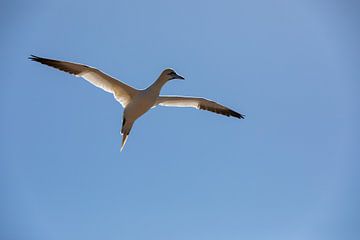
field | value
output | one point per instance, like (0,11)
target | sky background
(289,171)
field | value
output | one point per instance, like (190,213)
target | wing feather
(199,103)
(121,91)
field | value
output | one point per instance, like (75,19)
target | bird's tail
(124,139)
(125,131)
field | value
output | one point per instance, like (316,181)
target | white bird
(136,102)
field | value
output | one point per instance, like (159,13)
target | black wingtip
(242,116)
(33,58)
(237,115)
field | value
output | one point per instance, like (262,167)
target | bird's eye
(172,73)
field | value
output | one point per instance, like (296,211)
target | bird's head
(170,74)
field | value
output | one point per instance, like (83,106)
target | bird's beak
(179,77)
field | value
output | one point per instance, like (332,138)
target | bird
(136,102)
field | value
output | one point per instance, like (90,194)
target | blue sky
(288,171)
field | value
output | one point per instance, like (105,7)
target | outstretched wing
(123,93)
(199,103)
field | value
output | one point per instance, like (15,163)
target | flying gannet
(136,102)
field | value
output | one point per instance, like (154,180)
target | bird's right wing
(122,92)
(196,102)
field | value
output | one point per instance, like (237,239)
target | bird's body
(136,102)
(139,105)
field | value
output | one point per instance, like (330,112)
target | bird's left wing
(196,102)
(122,92)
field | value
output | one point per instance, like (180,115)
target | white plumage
(136,102)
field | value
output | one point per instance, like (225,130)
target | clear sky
(289,171)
